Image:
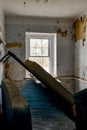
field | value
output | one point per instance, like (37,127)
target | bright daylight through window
(41,48)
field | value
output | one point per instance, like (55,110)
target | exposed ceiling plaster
(45,8)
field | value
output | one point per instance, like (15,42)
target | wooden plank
(48,80)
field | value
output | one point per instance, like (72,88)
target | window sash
(41,48)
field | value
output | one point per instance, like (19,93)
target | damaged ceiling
(44,8)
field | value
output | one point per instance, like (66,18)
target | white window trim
(46,36)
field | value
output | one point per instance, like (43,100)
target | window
(40,48)
(39,52)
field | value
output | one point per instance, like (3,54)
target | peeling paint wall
(1,50)
(80,28)
(14,44)
(2,23)
(1,45)
(65,53)
(80,58)
(15,33)
(14,70)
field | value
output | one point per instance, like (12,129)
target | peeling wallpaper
(80,49)
(80,28)
(14,44)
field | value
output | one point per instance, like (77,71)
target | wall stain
(63,33)
(0,29)
(28,29)
(24,3)
(80,28)
(58,22)
(14,44)
(1,41)
(46,1)
(5,69)
(19,34)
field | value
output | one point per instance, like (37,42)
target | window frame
(53,51)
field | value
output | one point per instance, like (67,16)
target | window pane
(45,51)
(39,42)
(33,43)
(45,43)
(42,61)
(32,52)
(39,47)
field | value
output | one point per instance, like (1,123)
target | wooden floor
(45,114)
